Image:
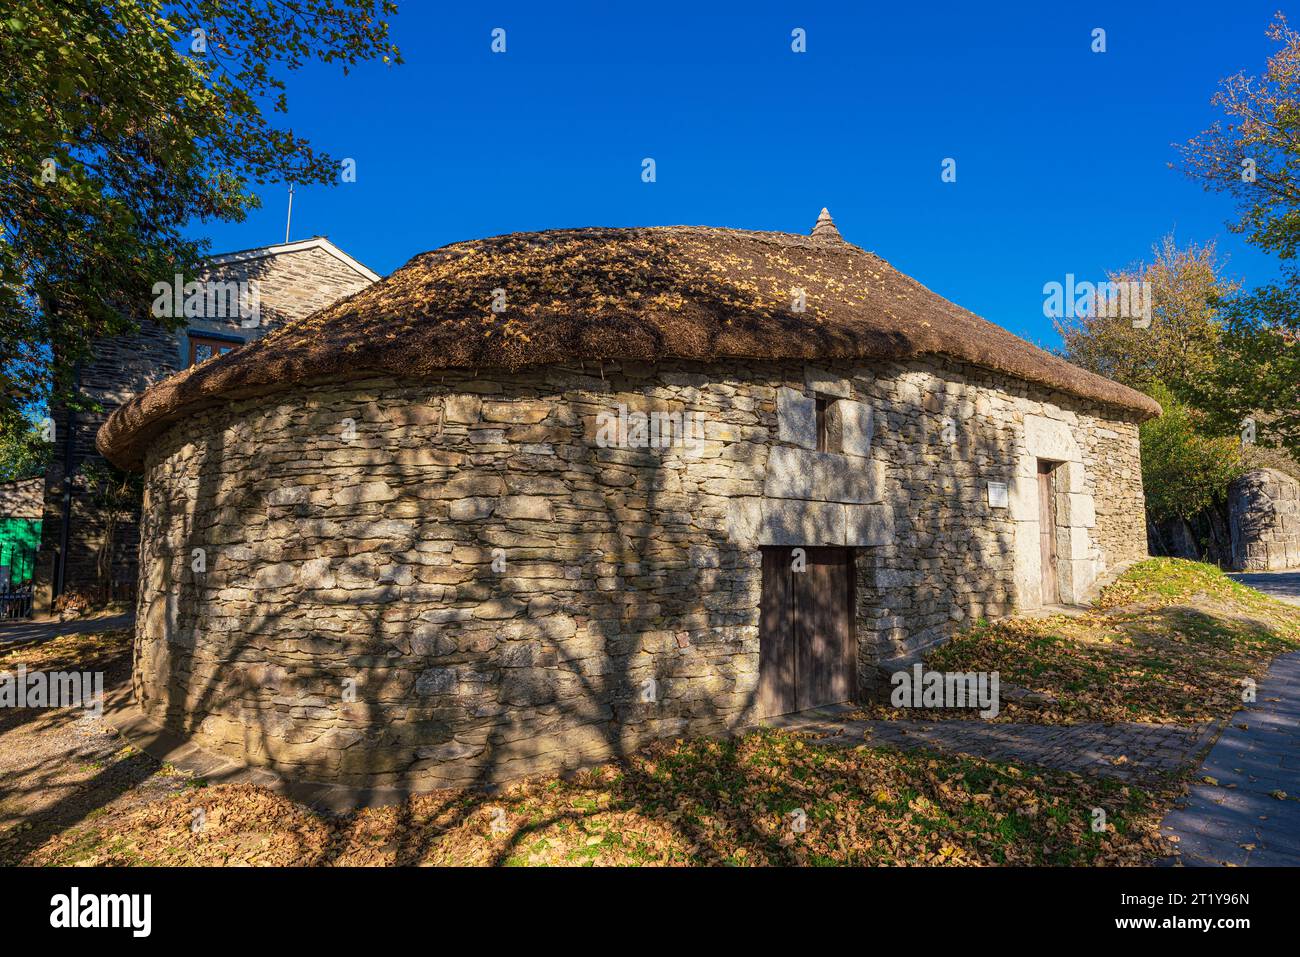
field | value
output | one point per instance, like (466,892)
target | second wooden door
(1047,532)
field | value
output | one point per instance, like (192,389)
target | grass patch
(1170,641)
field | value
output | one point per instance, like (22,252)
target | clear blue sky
(1062,154)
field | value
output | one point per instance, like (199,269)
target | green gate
(19,540)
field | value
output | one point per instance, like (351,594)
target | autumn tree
(1179,345)
(1187,463)
(121,123)
(1253,155)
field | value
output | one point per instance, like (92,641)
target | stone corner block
(796,418)
(1069,477)
(1074,544)
(1022,498)
(823,477)
(827,383)
(745,521)
(857,422)
(1076,578)
(789,522)
(868,524)
(1076,510)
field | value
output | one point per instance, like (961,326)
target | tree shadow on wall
(540,697)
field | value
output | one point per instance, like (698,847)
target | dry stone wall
(433,583)
(1264,518)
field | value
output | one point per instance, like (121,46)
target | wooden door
(806,647)
(1047,532)
(776,648)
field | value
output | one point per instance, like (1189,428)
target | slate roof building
(79,554)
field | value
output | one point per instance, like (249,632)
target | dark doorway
(806,648)
(1047,531)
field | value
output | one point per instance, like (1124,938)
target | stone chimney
(825,227)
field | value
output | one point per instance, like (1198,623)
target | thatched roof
(683,292)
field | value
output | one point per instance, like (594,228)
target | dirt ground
(62,766)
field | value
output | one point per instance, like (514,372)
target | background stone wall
(429,583)
(21,498)
(1264,519)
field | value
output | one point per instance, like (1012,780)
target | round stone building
(533,501)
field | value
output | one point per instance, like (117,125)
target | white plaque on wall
(997,494)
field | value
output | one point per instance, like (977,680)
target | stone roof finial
(825,227)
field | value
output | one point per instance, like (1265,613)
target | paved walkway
(1284,586)
(1126,751)
(1252,814)
(26,630)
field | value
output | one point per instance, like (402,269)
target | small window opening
(828,425)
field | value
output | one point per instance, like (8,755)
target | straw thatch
(644,294)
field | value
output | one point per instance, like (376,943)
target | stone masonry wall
(1264,518)
(21,498)
(433,583)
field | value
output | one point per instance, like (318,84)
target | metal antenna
(289,218)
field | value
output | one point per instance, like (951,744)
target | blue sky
(1062,154)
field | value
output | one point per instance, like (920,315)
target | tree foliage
(1187,462)
(24,452)
(1180,346)
(121,123)
(1253,155)
(1257,377)
(1184,470)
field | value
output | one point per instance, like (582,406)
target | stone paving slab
(1127,751)
(1241,820)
